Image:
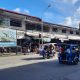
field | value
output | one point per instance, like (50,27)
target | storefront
(8,40)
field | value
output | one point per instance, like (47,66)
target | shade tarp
(74,37)
(46,39)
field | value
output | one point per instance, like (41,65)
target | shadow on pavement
(37,58)
(49,70)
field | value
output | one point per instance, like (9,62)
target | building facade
(33,26)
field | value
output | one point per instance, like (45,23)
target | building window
(30,26)
(1,20)
(15,22)
(46,29)
(77,32)
(71,32)
(38,27)
(63,30)
(55,30)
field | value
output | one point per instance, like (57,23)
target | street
(33,67)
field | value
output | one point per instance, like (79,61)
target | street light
(42,21)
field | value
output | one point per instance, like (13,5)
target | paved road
(33,67)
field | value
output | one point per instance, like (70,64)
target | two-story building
(33,26)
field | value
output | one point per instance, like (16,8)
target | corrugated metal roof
(58,25)
(19,13)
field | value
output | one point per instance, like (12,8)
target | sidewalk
(14,54)
(13,61)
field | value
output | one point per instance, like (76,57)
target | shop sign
(7,37)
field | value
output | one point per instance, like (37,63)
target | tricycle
(47,51)
(68,53)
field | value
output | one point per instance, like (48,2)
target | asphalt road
(39,69)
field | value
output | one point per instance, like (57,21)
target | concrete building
(32,26)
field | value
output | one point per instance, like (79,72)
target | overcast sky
(65,12)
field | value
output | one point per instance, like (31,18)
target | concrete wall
(49,34)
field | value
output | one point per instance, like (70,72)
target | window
(33,26)
(15,22)
(1,20)
(38,27)
(30,26)
(63,30)
(54,29)
(46,28)
(71,32)
(77,32)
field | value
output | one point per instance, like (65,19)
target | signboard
(7,37)
(7,44)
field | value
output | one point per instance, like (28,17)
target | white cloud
(74,1)
(78,11)
(17,10)
(48,15)
(69,8)
(66,1)
(26,11)
(77,22)
(73,20)
(68,21)
(71,1)
(76,18)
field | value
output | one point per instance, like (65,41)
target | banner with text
(7,37)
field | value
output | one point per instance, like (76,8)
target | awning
(46,39)
(74,37)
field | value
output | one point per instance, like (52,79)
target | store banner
(7,44)
(7,37)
